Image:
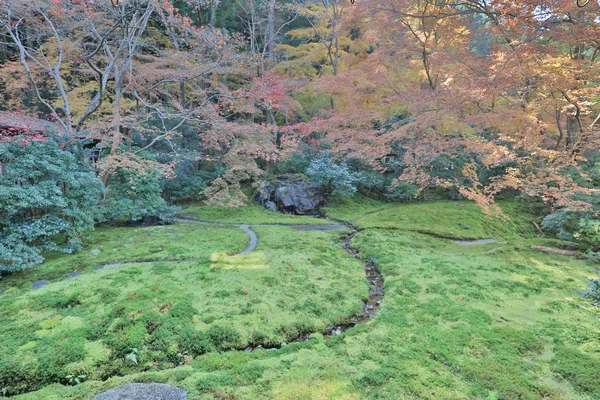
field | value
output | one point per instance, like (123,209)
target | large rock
(144,391)
(291,195)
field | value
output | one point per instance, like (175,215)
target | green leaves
(47,199)
(337,178)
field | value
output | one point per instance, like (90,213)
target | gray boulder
(144,391)
(271,206)
(40,284)
(291,195)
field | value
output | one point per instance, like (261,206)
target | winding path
(376,284)
(253,240)
(374,277)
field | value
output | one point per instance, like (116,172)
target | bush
(47,200)
(401,191)
(589,233)
(562,223)
(593,291)
(189,183)
(577,225)
(336,178)
(135,196)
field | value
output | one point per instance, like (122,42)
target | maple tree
(510,86)
(478,97)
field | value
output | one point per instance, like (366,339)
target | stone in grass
(145,391)
(74,274)
(40,284)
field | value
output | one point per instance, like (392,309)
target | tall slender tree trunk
(200,21)
(271,30)
(214,4)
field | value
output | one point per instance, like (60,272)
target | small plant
(589,232)
(132,356)
(75,379)
(373,260)
(592,292)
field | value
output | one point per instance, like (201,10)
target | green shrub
(135,196)
(336,178)
(401,191)
(562,223)
(589,233)
(48,199)
(189,182)
(593,291)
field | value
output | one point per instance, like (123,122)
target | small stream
(372,274)
(376,294)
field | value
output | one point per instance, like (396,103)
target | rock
(144,391)
(73,275)
(291,195)
(40,284)
(271,206)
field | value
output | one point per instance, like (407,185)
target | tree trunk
(271,30)
(116,138)
(560,129)
(213,12)
(570,131)
(199,16)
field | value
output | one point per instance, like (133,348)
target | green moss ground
(252,213)
(453,219)
(494,321)
(171,312)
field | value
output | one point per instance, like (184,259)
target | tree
(48,200)
(497,94)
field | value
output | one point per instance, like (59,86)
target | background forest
(117,111)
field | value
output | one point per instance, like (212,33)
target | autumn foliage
(483,98)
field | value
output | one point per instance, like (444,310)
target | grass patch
(251,213)
(448,219)
(156,316)
(456,322)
